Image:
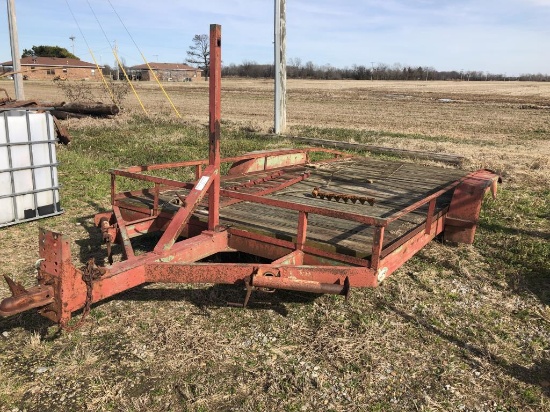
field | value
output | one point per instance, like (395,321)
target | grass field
(456,328)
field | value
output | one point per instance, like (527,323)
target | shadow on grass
(216,296)
(204,299)
(522,256)
(448,264)
(31,321)
(493,227)
(538,374)
(91,246)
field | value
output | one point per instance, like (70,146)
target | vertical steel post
(215,118)
(14,42)
(156,199)
(430,216)
(302,230)
(9,149)
(377,245)
(113,188)
(280,66)
(33,170)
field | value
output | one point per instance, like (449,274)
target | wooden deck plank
(328,233)
(382,199)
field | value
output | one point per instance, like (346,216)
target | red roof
(51,61)
(164,66)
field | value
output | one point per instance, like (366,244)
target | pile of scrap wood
(61,110)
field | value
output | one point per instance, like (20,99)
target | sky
(508,37)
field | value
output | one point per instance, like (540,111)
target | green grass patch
(372,136)
(514,236)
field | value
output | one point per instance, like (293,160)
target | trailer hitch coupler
(24,299)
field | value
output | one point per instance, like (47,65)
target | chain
(89,274)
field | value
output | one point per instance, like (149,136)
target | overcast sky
(498,36)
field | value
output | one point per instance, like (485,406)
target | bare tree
(199,52)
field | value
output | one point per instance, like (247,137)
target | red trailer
(325,220)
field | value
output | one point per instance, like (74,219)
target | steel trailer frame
(64,289)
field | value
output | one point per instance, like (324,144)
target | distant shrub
(92,92)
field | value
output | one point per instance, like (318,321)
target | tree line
(199,55)
(48,51)
(298,70)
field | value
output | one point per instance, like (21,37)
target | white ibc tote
(29,187)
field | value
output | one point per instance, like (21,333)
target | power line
(92,54)
(144,59)
(118,60)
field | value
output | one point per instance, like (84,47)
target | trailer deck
(392,186)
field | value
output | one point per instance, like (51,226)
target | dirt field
(499,125)
(457,328)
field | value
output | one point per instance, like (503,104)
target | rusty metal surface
(259,188)
(253,187)
(56,270)
(293,270)
(6,99)
(463,216)
(243,158)
(173,231)
(122,233)
(24,299)
(270,280)
(316,192)
(276,161)
(62,132)
(215,86)
(269,247)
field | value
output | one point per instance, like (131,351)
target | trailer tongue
(324,220)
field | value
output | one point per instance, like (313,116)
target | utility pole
(372,70)
(280,66)
(115,51)
(72,40)
(156,58)
(14,42)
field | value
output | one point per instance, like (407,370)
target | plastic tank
(28,167)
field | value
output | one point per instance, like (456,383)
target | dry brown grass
(498,125)
(457,328)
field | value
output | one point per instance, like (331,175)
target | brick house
(175,72)
(50,68)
